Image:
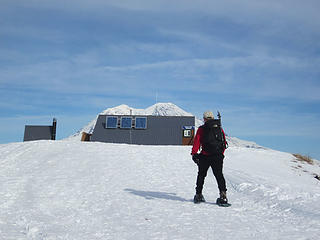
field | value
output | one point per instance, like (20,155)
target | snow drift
(88,190)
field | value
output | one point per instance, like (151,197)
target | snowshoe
(222,201)
(198,198)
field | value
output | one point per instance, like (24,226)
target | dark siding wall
(32,133)
(160,131)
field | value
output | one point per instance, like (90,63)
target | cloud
(249,12)
(257,76)
(249,49)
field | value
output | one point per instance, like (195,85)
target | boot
(223,197)
(198,198)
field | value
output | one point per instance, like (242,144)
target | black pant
(216,163)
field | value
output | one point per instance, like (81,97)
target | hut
(36,132)
(144,130)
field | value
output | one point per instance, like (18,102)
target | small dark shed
(145,130)
(33,132)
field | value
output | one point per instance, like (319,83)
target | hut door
(187,135)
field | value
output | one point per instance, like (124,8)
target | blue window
(126,122)
(112,122)
(141,123)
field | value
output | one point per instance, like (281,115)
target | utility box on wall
(145,130)
(34,132)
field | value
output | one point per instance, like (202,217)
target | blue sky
(257,62)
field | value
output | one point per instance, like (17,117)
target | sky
(257,62)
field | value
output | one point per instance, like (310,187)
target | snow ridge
(78,190)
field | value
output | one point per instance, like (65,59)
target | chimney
(54,129)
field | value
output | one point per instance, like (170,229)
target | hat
(208,115)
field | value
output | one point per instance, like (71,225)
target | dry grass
(302,158)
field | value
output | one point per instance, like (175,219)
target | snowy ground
(86,191)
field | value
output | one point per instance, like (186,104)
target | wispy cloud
(262,76)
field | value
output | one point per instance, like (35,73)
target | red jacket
(197,142)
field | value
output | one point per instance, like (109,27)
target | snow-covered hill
(88,190)
(159,109)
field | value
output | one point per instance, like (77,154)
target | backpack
(213,140)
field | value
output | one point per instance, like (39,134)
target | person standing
(211,142)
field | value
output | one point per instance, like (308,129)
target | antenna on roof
(219,115)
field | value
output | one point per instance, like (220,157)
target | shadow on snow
(156,195)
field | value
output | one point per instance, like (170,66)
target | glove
(196,158)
